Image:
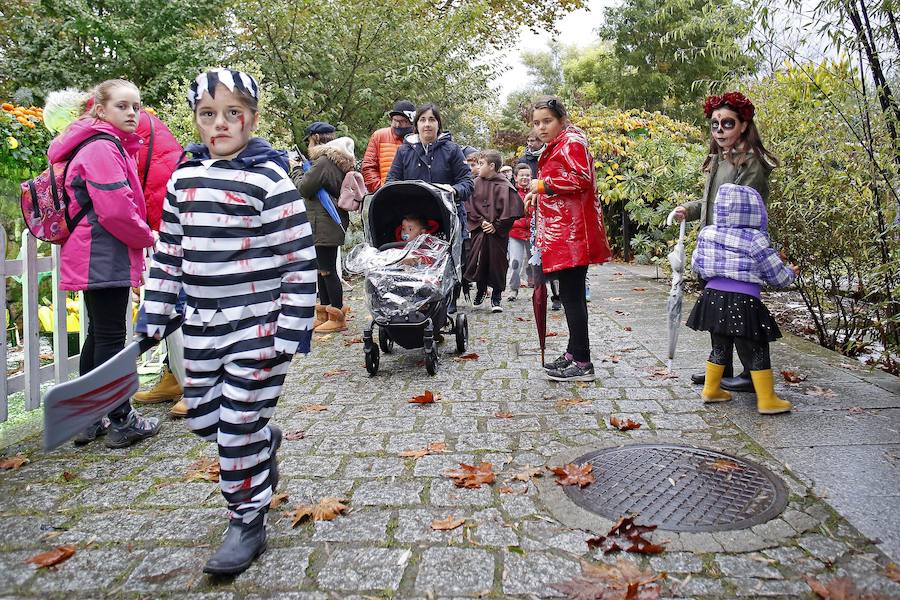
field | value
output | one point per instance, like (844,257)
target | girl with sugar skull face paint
(236,238)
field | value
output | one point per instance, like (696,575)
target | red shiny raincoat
(569,224)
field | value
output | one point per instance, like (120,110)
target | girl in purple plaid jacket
(735,257)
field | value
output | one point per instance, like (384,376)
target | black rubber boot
(243,543)
(741,383)
(700,378)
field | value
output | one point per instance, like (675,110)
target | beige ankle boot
(336,321)
(321,316)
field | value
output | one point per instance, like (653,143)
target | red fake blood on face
(241,119)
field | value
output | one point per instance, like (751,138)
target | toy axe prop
(71,406)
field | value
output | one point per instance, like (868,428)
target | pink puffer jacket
(106,247)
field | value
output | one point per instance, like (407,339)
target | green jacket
(752,172)
(331,162)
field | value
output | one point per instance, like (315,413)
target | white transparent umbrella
(673,303)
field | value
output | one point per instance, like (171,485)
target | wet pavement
(141,530)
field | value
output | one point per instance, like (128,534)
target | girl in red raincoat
(570,234)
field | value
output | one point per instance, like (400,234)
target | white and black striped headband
(207,82)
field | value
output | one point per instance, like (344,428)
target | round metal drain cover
(679,488)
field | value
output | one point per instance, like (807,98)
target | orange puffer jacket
(379,155)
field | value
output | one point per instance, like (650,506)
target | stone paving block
(491,529)
(514,425)
(28,532)
(14,571)
(743,540)
(168,569)
(338,427)
(485,441)
(450,425)
(107,526)
(699,542)
(412,441)
(639,394)
(540,535)
(387,493)
(364,569)
(825,549)
(677,562)
(414,526)
(455,572)
(39,471)
(443,492)
(368,444)
(88,571)
(308,466)
(171,468)
(799,521)
(181,494)
(110,495)
(752,565)
(698,586)
(762,588)
(475,409)
(186,525)
(165,445)
(358,526)
(434,465)
(532,573)
(288,596)
(306,491)
(374,467)
(776,529)
(388,425)
(563,422)
(640,406)
(683,422)
(277,569)
(517,506)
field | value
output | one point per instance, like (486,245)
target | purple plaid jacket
(737,245)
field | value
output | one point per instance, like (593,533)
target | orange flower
(7,106)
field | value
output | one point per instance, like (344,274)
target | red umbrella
(539,304)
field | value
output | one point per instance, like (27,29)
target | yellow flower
(12,142)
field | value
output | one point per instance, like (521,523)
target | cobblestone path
(141,531)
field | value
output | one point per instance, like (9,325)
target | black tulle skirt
(734,315)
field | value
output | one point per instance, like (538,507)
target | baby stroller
(409,285)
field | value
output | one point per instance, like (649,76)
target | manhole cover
(679,488)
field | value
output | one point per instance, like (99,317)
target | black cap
(469,151)
(403,108)
(318,127)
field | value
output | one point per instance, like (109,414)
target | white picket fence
(30,379)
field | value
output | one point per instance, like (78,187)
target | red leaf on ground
(68,475)
(522,319)
(469,356)
(314,407)
(334,372)
(471,476)
(662,374)
(503,415)
(613,358)
(14,462)
(622,581)
(723,464)
(818,390)
(793,377)
(623,425)
(51,558)
(327,509)
(572,474)
(627,328)
(626,535)
(351,341)
(551,334)
(426,398)
(293,436)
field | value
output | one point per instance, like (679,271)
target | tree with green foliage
(47,45)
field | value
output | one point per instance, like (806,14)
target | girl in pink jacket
(103,256)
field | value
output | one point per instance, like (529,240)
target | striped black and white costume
(235,235)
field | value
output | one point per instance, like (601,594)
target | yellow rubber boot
(767,403)
(321,316)
(165,390)
(711,390)
(336,321)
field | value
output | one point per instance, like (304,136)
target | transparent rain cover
(401,281)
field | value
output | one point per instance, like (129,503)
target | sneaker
(560,363)
(133,430)
(572,373)
(495,305)
(92,432)
(556,305)
(587,294)
(479,297)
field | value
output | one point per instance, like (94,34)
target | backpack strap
(149,153)
(71,222)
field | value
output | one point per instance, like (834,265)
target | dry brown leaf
(427,398)
(567,402)
(313,407)
(723,464)
(447,523)
(613,358)
(841,589)
(622,581)
(327,509)
(527,473)
(278,500)
(205,469)
(503,415)
(472,476)
(351,341)
(506,489)
(293,436)
(818,390)
(615,299)
(892,571)
(639,289)
(51,558)
(623,424)
(572,474)
(662,374)
(626,535)
(793,377)
(856,410)
(551,334)
(14,463)
(432,448)
(469,356)
(68,475)
(333,372)
(627,328)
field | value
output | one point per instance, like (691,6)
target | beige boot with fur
(337,321)
(321,316)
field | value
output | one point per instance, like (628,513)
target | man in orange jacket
(384,143)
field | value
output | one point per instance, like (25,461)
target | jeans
(519,255)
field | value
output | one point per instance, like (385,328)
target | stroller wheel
(431,360)
(462,332)
(371,352)
(385,341)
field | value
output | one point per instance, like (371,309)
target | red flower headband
(735,100)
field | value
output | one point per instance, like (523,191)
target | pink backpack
(45,203)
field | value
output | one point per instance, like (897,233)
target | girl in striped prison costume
(235,236)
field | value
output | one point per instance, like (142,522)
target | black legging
(106,309)
(753,355)
(330,291)
(572,296)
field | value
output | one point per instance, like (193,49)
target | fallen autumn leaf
(426,398)
(572,474)
(205,469)
(51,558)
(623,424)
(472,476)
(14,463)
(278,500)
(622,581)
(447,523)
(327,509)
(626,535)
